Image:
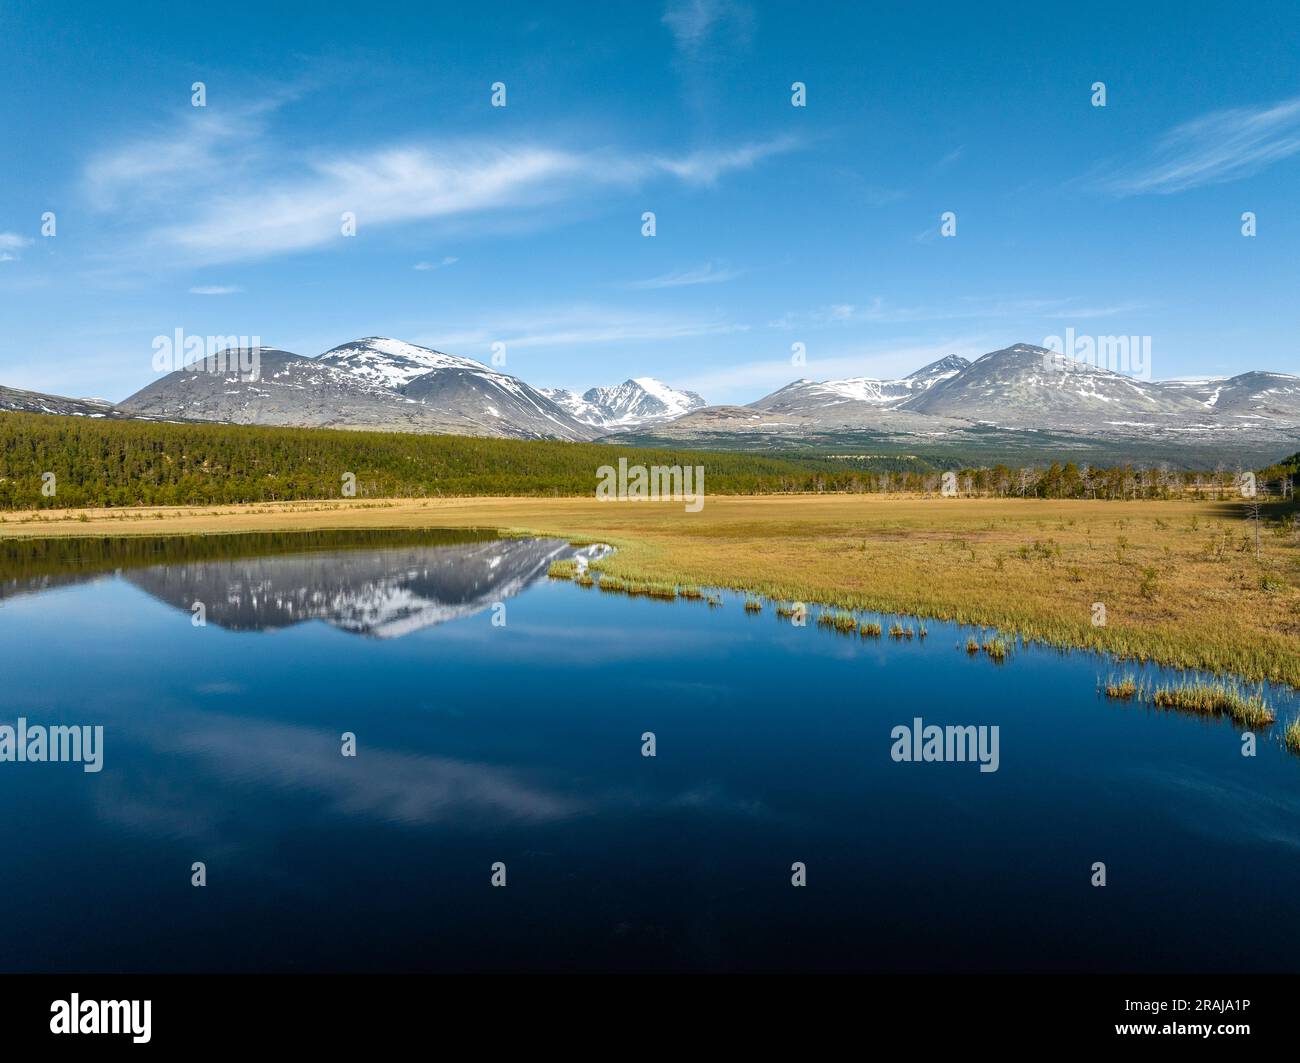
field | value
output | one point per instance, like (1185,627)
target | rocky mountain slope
(1017,399)
(808,396)
(632,404)
(1020,397)
(1025,387)
(374,383)
(35,402)
(1271,396)
(288,389)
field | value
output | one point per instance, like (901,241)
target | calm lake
(499,718)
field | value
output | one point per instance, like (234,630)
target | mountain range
(1017,399)
(1018,396)
(631,404)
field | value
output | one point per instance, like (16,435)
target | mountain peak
(635,402)
(945,366)
(393,363)
(804,395)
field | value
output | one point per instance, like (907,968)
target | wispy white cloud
(215,289)
(710,40)
(709,273)
(696,25)
(10,244)
(1217,147)
(707,165)
(877,310)
(272,200)
(449,260)
(949,159)
(578,325)
(379,188)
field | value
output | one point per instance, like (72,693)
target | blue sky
(522,225)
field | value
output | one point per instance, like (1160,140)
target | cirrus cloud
(196,210)
(1221,146)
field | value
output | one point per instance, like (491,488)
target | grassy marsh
(1031,569)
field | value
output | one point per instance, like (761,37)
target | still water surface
(521,743)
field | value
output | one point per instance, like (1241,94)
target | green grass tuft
(997,649)
(1216,699)
(563,569)
(1124,689)
(1291,736)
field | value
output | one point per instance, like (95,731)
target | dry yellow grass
(1179,580)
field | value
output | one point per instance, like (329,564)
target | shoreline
(1178,579)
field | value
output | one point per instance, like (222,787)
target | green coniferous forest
(119,463)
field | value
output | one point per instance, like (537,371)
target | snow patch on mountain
(393,363)
(631,404)
(805,395)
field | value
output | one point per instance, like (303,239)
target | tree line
(58,462)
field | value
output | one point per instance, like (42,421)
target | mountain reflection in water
(380,584)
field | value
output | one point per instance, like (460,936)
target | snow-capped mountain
(1024,386)
(290,390)
(631,404)
(35,402)
(1018,398)
(1254,394)
(462,389)
(805,395)
(393,363)
(374,383)
(1020,386)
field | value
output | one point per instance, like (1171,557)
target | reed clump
(1291,736)
(840,621)
(1123,688)
(997,648)
(1216,699)
(753,605)
(563,569)
(651,589)
(869,630)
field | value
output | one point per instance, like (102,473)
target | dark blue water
(521,743)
